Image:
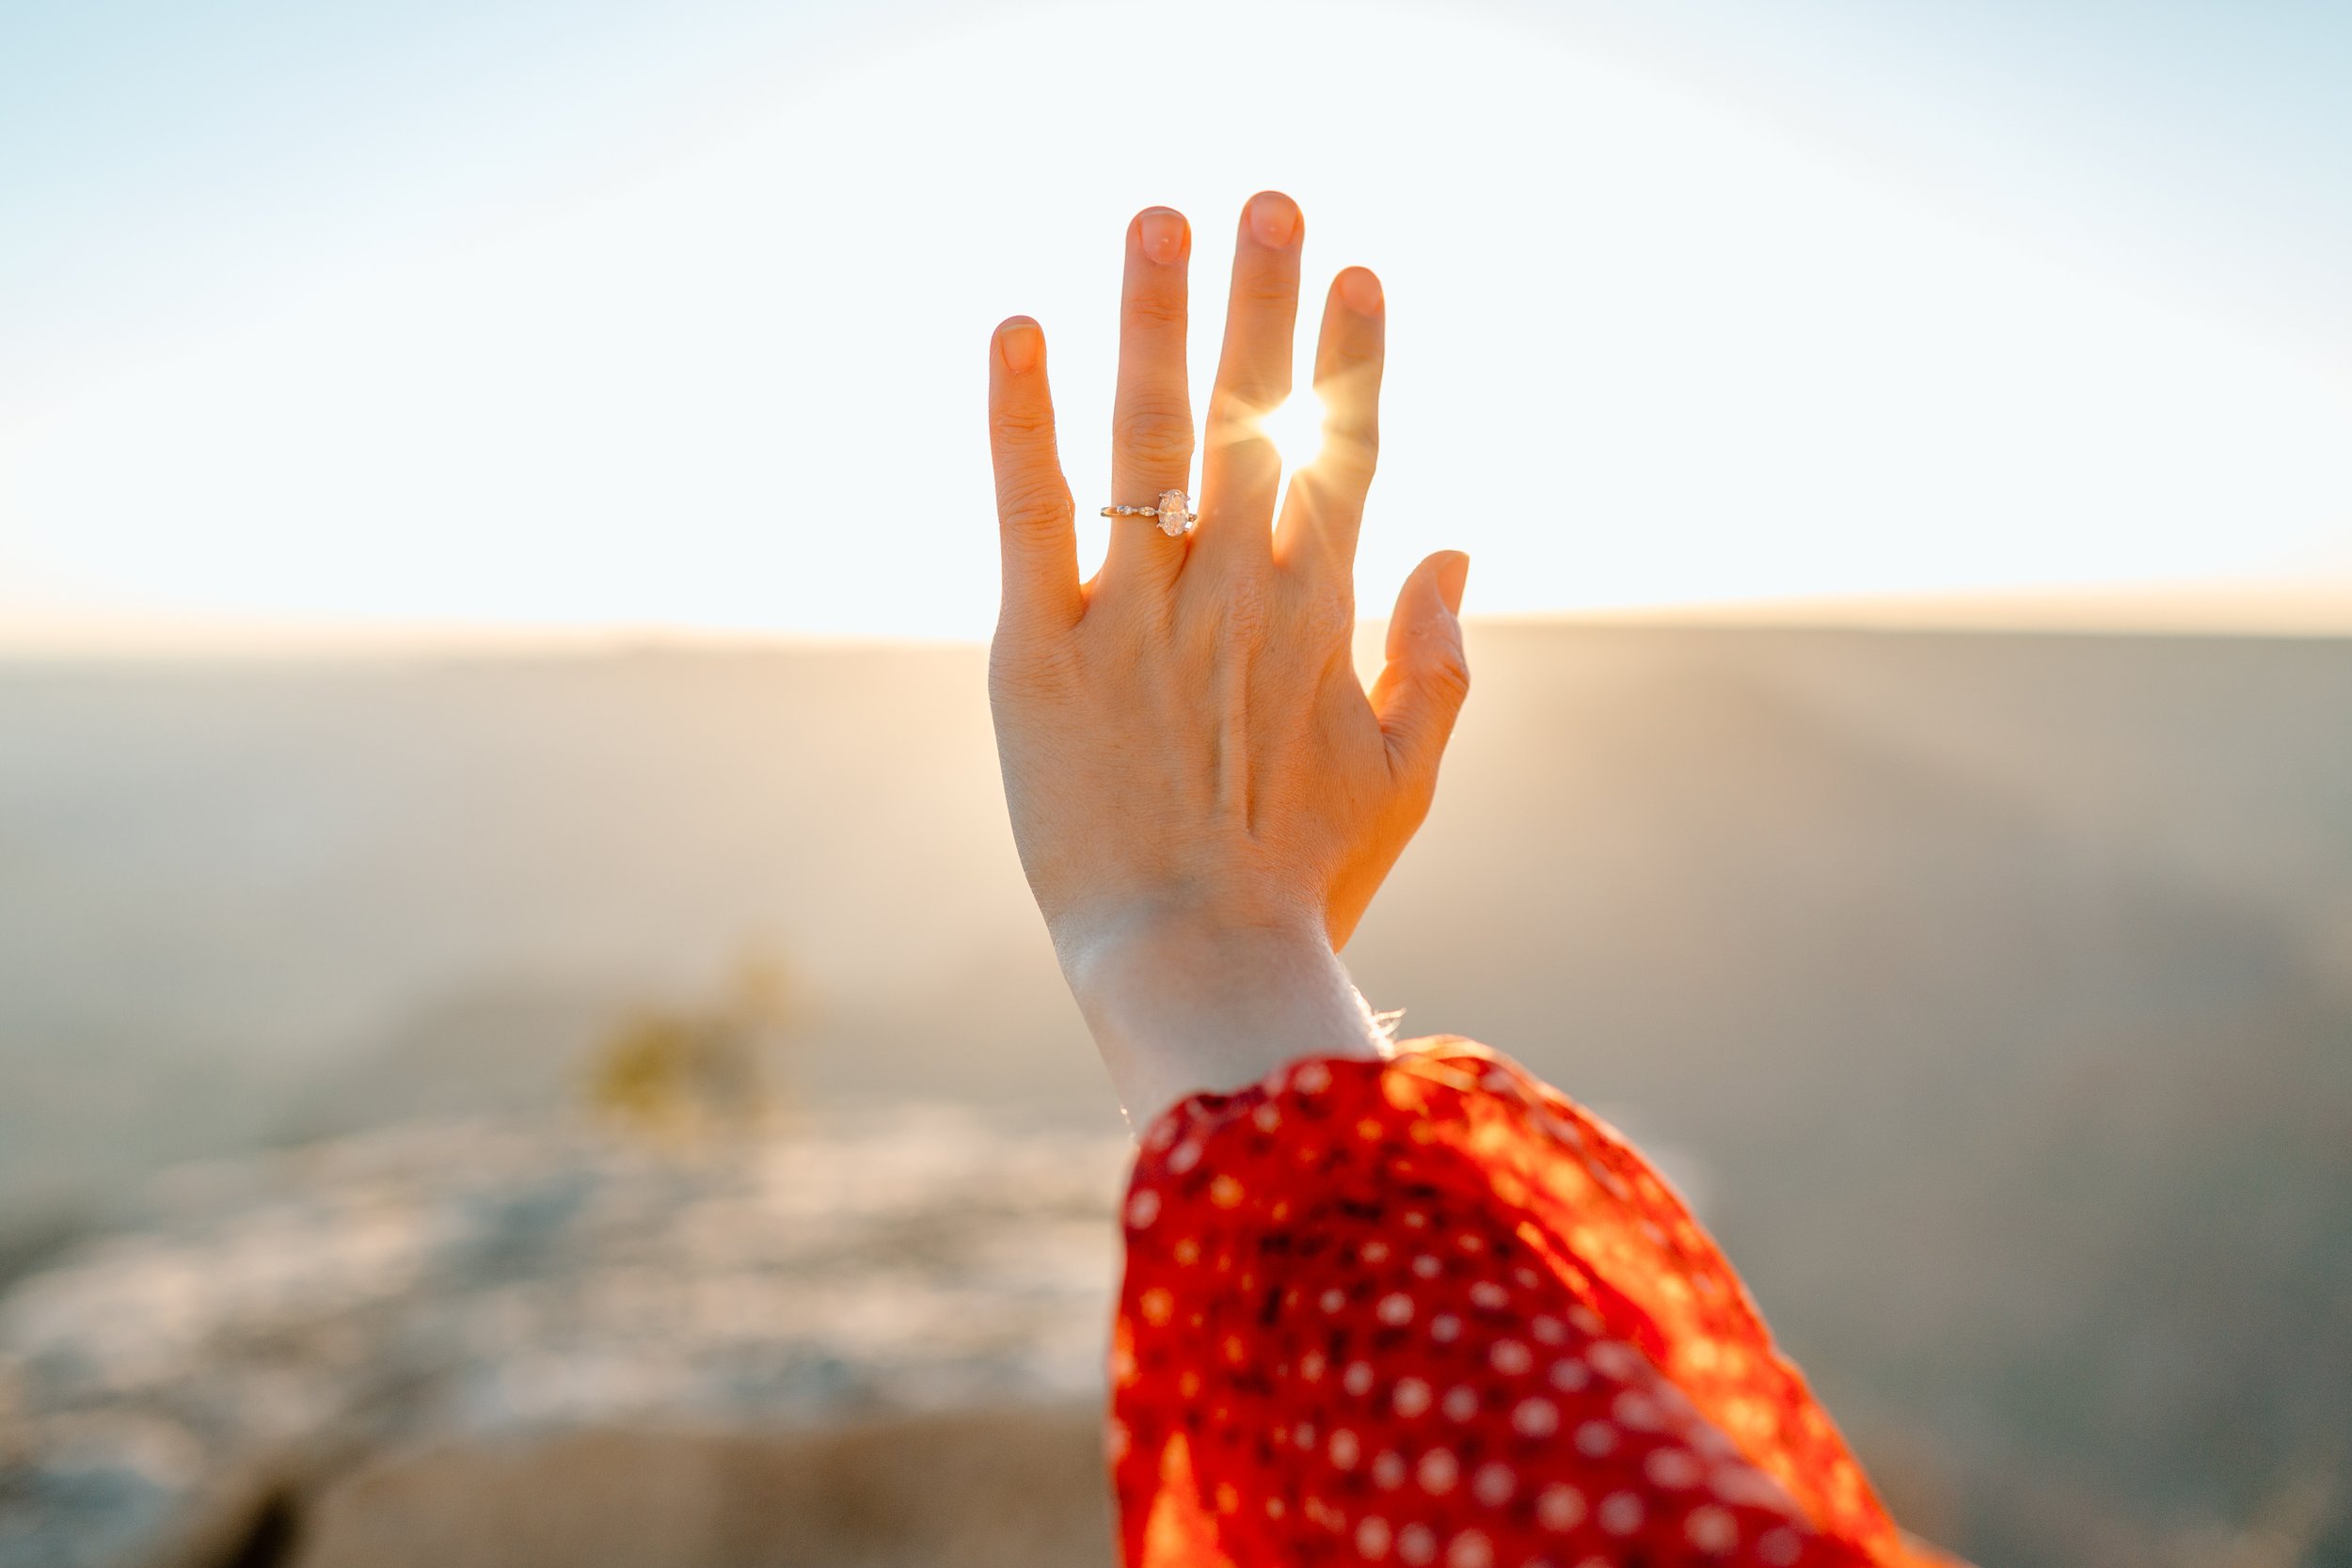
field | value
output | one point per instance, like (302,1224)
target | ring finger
(1151,415)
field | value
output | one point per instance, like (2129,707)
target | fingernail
(1019,343)
(1360,291)
(1453,573)
(1272,219)
(1164,234)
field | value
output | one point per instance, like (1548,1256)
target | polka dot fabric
(1426,1311)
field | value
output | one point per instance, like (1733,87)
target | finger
(1033,515)
(1421,689)
(1323,510)
(1241,472)
(1151,414)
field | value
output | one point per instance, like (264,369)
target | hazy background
(495,545)
(1991,994)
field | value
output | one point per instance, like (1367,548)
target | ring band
(1174,512)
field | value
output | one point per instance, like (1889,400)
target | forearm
(1180,1003)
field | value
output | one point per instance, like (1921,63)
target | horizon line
(2257,609)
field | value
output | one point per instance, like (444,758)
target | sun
(1296,429)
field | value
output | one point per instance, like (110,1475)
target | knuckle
(1232,422)
(1448,675)
(1326,608)
(1033,502)
(1156,435)
(1270,287)
(1354,446)
(1354,367)
(1007,666)
(1156,308)
(1136,627)
(1244,611)
(1022,664)
(1346,470)
(1242,425)
(1024,424)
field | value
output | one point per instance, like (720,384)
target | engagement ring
(1174,512)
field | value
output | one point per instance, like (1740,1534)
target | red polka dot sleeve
(1429,1311)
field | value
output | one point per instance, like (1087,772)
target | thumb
(1420,688)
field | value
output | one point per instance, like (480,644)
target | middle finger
(1241,472)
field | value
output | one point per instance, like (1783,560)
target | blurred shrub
(681,1073)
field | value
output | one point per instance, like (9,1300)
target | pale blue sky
(201,196)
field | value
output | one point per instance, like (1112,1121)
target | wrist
(1181,1001)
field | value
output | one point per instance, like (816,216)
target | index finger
(1034,517)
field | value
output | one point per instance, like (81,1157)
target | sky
(519,316)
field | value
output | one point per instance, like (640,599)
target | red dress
(1429,1311)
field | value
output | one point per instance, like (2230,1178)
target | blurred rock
(1013,1488)
(545,1304)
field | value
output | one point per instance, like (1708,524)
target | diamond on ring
(1174,512)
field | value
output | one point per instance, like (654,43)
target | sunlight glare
(1296,428)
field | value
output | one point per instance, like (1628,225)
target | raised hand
(1204,796)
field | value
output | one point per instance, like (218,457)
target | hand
(1204,796)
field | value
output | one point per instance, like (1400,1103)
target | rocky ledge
(860,1343)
